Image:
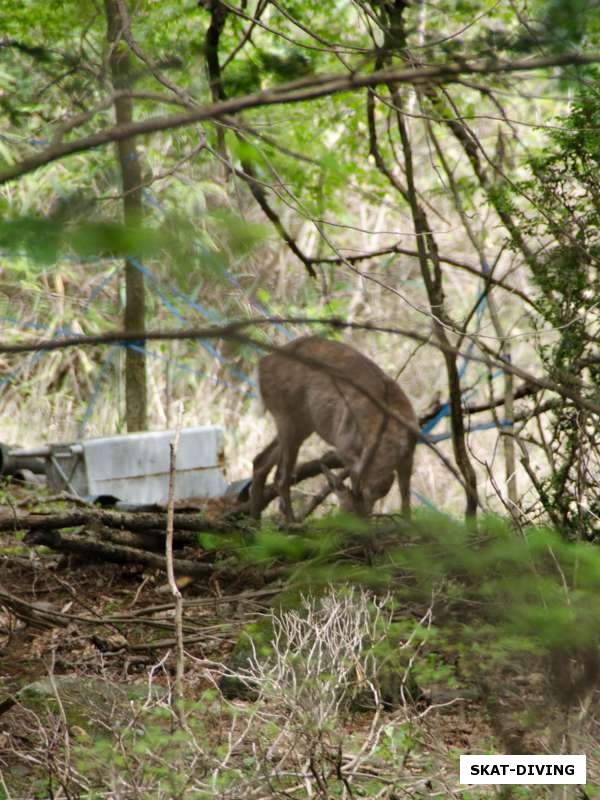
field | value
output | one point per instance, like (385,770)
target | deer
(317,385)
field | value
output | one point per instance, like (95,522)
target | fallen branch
(144,540)
(81,542)
(152,522)
(121,554)
(571,388)
(33,613)
(146,529)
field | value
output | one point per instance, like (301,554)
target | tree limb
(302,90)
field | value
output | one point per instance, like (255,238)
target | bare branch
(234,330)
(305,89)
(444,260)
(247,36)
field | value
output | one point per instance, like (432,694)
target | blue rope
(444,409)
(205,312)
(33,357)
(107,362)
(258,305)
(424,500)
(115,349)
(184,368)
(155,203)
(97,290)
(482,426)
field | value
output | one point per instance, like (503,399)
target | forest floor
(126,655)
(89,633)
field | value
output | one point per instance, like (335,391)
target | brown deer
(314,385)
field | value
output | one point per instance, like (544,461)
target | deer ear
(336,483)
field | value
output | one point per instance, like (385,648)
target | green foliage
(286,65)
(270,544)
(149,755)
(565,189)
(462,608)
(45,240)
(506,597)
(313,160)
(242,78)
(565,23)
(240,236)
(39,238)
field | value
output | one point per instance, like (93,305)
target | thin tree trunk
(431,271)
(478,244)
(218,16)
(508,440)
(136,403)
(175,591)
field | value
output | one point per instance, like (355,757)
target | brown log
(121,554)
(143,540)
(82,543)
(126,520)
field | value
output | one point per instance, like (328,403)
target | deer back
(327,387)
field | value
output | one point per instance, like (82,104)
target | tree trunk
(136,411)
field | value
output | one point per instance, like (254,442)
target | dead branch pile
(138,537)
(121,537)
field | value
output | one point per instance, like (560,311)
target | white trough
(135,467)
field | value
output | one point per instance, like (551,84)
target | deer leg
(288,453)
(404,472)
(261,466)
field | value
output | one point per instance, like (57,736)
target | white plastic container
(135,467)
